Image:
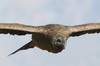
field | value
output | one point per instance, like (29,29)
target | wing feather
(85,29)
(18,29)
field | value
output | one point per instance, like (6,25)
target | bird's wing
(26,46)
(84,29)
(18,29)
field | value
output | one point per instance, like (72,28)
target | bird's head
(59,43)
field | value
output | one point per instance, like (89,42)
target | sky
(80,51)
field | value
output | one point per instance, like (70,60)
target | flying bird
(51,37)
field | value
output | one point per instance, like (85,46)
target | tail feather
(28,45)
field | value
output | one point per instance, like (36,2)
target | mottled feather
(85,29)
(18,29)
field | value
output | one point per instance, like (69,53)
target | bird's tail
(28,45)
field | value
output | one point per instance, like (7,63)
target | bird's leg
(28,45)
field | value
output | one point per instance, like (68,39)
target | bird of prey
(50,37)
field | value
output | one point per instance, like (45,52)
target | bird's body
(45,39)
(50,37)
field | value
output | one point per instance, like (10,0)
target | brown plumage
(50,37)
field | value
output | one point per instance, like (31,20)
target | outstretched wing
(26,46)
(18,29)
(84,29)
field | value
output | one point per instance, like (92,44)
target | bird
(50,37)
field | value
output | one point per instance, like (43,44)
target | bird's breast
(43,41)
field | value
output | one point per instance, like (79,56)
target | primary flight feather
(50,37)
